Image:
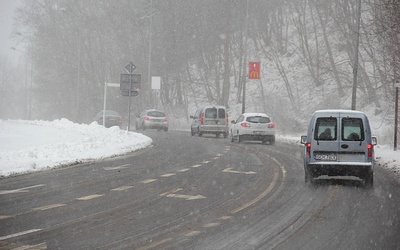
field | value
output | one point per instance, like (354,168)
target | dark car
(112,118)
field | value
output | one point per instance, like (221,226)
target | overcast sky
(7,10)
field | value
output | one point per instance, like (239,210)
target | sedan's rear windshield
(214,113)
(156,113)
(258,119)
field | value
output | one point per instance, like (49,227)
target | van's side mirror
(374,140)
(303,139)
(233,122)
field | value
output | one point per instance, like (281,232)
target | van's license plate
(325,157)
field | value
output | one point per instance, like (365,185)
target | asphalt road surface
(189,192)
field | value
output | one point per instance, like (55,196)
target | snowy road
(215,195)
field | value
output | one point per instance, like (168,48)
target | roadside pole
(396,116)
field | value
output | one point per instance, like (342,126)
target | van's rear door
(326,138)
(353,145)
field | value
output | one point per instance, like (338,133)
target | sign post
(130,86)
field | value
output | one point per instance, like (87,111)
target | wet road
(197,193)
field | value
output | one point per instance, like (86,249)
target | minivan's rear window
(352,129)
(326,129)
(214,113)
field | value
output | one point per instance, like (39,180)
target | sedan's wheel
(166,129)
(240,139)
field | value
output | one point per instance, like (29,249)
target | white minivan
(211,119)
(339,143)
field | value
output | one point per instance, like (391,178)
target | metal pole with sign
(132,86)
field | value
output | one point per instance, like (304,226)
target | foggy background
(201,50)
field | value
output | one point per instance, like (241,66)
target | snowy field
(27,146)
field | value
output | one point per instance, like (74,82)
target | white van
(339,143)
(210,120)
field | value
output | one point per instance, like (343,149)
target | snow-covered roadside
(385,156)
(27,146)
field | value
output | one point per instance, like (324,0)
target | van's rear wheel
(369,179)
(308,177)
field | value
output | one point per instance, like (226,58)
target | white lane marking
(184,170)
(48,207)
(219,155)
(90,197)
(20,190)
(148,181)
(172,194)
(168,175)
(196,166)
(230,170)
(2,217)
(122,188)
(192,233)
(117,167)
(19,234)
(186,197)
(211,224)
(225,217)
(205,162)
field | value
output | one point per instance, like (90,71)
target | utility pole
(245,64)
(396,115)
(355,67)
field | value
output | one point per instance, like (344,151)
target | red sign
(254,70)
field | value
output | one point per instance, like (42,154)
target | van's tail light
(147,118)
(227,119)
(271,125)
(245,124)
(202,119)
(370,148)
(308,148)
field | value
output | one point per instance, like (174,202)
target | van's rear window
(214,113)
(326,129)
(352,129)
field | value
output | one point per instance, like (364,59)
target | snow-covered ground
(27,146)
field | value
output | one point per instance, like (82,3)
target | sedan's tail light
(245,124)
(166,119)
(147,118)
(271,125)
(202,119)
(119,118)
